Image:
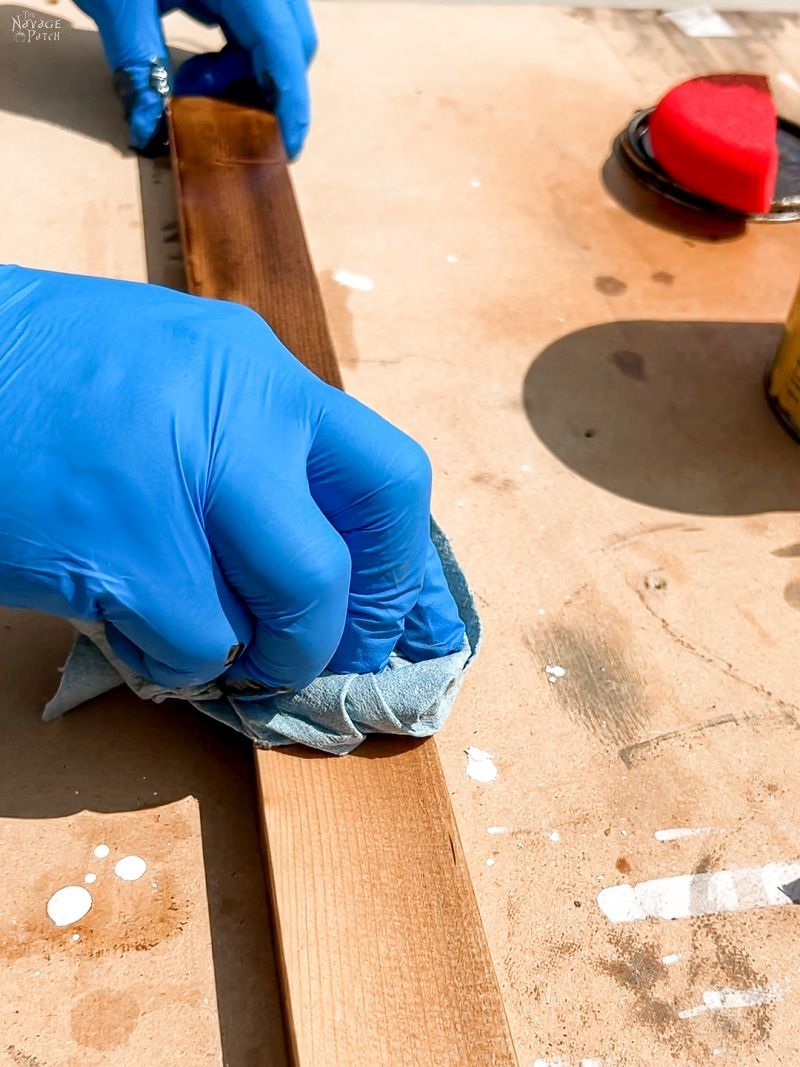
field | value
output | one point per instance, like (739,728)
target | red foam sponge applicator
(716,136)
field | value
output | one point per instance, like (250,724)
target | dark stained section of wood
(242,235)
(381,951)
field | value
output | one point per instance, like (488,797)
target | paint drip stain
(69,905)
(103,1020)
(480,765)
(130,868)
(630,364)
(609,285)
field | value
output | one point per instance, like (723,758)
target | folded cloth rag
(333,714)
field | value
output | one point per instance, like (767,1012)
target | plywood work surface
(586,375)
(507,320)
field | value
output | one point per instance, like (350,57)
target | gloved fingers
(269,31)
(134,45)
(304,20)
(286,563)
(211,11)
(300,11)
(196,8)
(373,484)
(181,635)
(433,627)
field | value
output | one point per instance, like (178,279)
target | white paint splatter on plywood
(688,895)
(480,765)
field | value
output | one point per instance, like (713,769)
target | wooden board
(382,954)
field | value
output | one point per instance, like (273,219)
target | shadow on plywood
(670,414)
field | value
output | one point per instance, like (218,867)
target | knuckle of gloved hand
(238,318)
(202,653)
(239,324)
(313,613)
(410,471)
(236,334)
(322,579)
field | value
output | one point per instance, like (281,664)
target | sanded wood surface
(382,955)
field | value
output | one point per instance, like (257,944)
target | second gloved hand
(269,41)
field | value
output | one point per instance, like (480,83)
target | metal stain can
(783,377)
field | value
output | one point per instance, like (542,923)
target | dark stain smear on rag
(600,689)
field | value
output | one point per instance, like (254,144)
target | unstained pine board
(381,951)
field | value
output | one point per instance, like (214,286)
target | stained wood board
(381,950)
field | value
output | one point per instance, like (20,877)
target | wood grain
(381,951)
(242,235)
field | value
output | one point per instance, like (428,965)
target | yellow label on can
(784,375)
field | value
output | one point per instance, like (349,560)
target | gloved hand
(270,43)
(167,467)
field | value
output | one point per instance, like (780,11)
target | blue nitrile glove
(168,467)
(270,44)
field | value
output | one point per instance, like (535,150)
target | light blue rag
(333,714)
